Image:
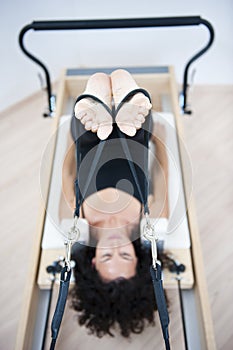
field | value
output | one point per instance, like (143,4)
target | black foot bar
(116,24)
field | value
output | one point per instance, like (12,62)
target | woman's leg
(132,115)
(91,113)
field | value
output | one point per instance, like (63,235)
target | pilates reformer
(188,252)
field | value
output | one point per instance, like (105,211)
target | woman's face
(115,257)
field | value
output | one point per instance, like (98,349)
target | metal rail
(116,24)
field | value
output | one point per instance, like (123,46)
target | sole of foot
(94,117)
(132,114)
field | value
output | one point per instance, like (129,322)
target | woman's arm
(159,206)
(67,202)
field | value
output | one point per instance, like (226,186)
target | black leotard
(113,168)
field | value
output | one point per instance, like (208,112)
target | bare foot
(92,114)
(94,117)
(132,114)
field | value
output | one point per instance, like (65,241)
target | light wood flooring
(209,139)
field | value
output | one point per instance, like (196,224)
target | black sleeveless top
(113,168)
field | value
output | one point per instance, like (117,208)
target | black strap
(94,164)
(144,197)
(161,302)
(93,97)
(130,95)
(80,197)
(60,307)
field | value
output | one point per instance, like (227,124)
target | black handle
(116,24)
(61,303)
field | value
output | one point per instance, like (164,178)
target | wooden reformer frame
(160,81)
(70,87)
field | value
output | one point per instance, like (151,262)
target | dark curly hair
(100,305)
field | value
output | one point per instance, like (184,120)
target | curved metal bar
(37,61)
(115,24)
(194,58)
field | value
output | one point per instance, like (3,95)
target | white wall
(18,75)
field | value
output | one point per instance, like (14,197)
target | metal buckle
(149,234)
(72,236)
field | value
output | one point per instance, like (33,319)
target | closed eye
(126,256)
(105,257)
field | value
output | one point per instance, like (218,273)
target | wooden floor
(209,139)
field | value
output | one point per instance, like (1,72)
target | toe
(127,129)
(137,124)
(94,127)
(104,131)
(86,118)
(80,114)
(88,125)
(148,104)
(140,118)
(143,110)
